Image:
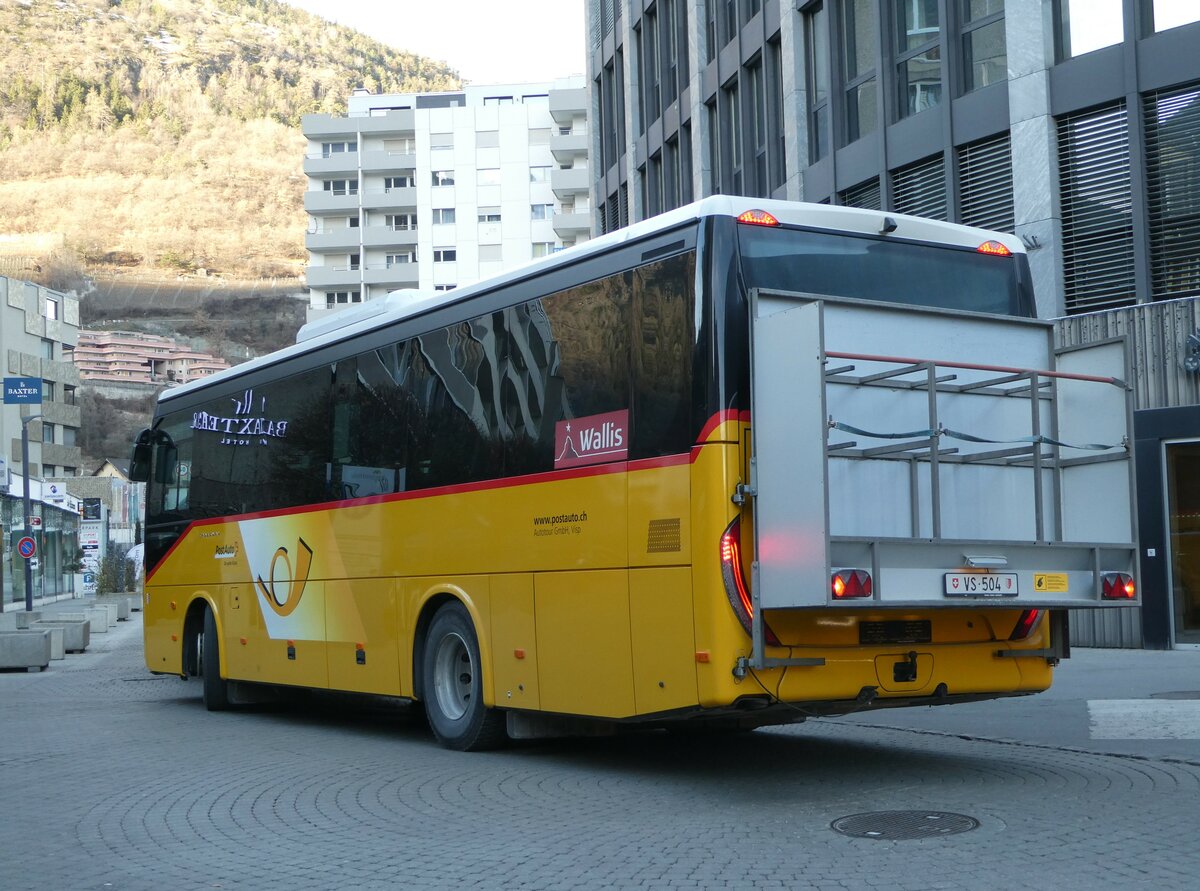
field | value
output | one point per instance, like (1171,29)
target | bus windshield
(843,265)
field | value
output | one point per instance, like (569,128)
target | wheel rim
(453,675)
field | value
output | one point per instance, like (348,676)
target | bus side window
(664,343)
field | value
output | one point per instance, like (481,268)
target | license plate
(981,584)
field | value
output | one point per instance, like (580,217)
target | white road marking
(1144,718)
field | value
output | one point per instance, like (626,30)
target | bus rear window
(878,269)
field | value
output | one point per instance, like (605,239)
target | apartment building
(134,357)
(38,332)
(434,190)
(1072,123)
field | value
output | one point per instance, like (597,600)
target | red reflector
(995,248)
(758,218)
(1027,622)
(848,583)
(1118,586)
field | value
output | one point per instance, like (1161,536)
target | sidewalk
(1139,703)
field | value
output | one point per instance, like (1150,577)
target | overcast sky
(486,41)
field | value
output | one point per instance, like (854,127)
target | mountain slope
(169,129)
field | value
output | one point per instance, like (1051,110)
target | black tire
(216,688)
(452,685)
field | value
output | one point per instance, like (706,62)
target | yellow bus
(710,471)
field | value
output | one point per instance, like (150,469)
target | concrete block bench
(16,618)
(121,603)
(110,607)
(97,617)
(75,635)
(25,649)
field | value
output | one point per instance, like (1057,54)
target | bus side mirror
(139,465)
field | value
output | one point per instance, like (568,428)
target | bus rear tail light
(1027,623)
(1118,586)
(847,584)
(735,582)
(757,218)
(994,248)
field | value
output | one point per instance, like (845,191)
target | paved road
(110,778)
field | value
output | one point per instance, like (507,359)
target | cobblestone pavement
(112,778)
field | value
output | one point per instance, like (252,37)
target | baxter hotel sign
(22,391)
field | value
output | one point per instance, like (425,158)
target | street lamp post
(28,529)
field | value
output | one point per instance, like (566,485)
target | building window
(816,37)
(758,132)
(68,395)
(47,391)
(488,176)
(539,174)
(340,186)
(489,215)
(919,55)
(337,148)
(338,298)
(986,184)
(397,259)
(1097,209)
(68,439)
(710,30)
(443,215)
(47,432)
(920,189)
(541,211)
(731,138)
(441,140)
(1087,25)
(866,195)
(714,149)
(497,100)
(352,222)
(1165,14)
(50,308)
(444,287)
(491,253)
(985,59)
(487,139)
(47,349)
(542,249)
(402,181)
(859,36)
(444,255)
(443,177)
(405,145)
(401,222)
(69,471)
(1172,126)
(649,68)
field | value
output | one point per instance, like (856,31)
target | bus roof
(398,305)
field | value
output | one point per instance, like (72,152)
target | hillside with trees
(162,137)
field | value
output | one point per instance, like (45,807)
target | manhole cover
(903,825)
(1182,694)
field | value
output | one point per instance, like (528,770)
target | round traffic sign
(26,547)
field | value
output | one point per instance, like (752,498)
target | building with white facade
(434,190)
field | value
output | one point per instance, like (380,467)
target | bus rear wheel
(216,688)
(452,685)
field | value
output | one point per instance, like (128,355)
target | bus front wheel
(452,684)
(216,688)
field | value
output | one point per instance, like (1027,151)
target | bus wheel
(452,685)
(216,688)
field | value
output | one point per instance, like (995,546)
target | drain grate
(903,825)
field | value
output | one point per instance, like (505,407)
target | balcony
(325,203)
(391,199)
(339,277)
(335,162)
(570,225)
(316,126)
(568,183)
(398,275)
(567,148)
(383,162)
(386,236)
(344,240)
(566,105)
